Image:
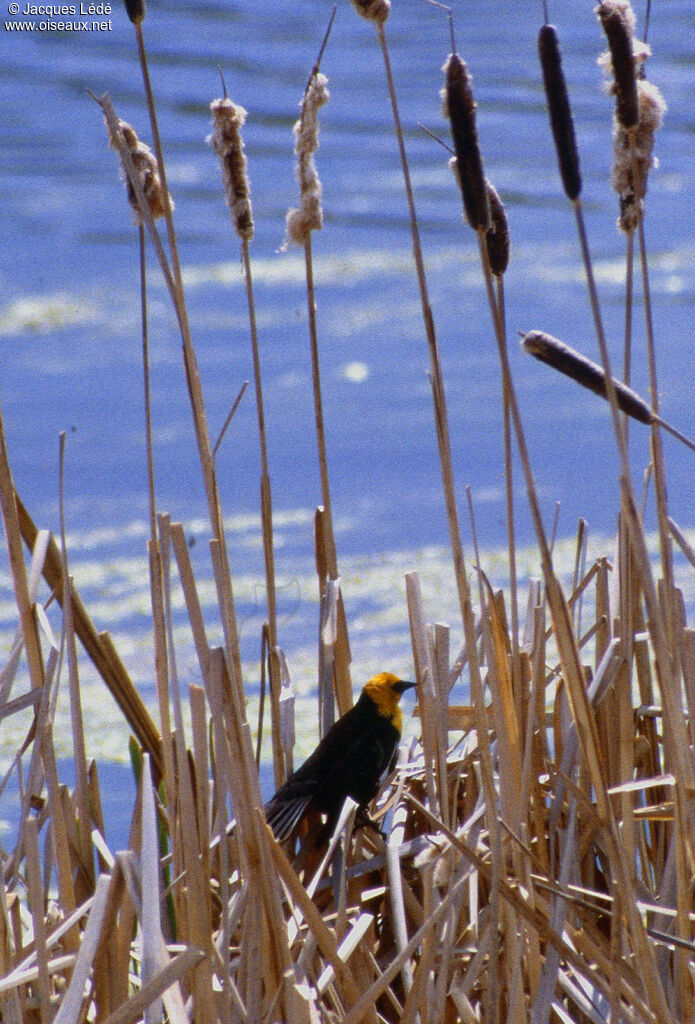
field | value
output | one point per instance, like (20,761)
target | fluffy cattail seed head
(618,21)
(373,10)
(561,123)
(227,122)
(309,216)
(632,154)
(459,107)
(146,169)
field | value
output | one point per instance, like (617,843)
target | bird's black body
(352,759)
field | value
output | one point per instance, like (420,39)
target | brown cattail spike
(561,122)
(146,170)
(460,106)
(591,376)
(497,235)
(227,122)
(618,21)
(135,9)
(373,10)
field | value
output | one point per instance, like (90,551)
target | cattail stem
(76,717)
(657,448)
(509,488)
(342,648)
(300,223)
(194,386)
(436,378)
(331,555)
(629,288)
(146,383)
(266,526)
(510,398)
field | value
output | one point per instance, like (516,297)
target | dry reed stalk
(35,894)
(13,539)
(300,223)
(434,756)
(77,723)
(228,120)
(71,1004)
(498,249)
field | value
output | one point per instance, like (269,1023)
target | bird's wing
(362,768)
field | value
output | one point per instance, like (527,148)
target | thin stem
(627,356)
(229,418)
(603,347)
(657,448)
(435,365)
(266,523)
(510,399)
(343,683)
(318,412)
(146,380)
(195,393)
(509,488)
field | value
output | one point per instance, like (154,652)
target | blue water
(69,301)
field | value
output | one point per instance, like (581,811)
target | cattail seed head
(497,235)
(561,123)
(227,122)
(373,10)
(460,107)
(309,216)
(585,372)
(135,9)
(633,154)
(146,169)
(618,21)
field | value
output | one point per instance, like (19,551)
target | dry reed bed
(539,859)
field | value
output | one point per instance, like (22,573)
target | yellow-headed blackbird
(352,759)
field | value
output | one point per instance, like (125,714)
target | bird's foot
(362,820)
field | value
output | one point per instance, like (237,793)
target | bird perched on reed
(352,759)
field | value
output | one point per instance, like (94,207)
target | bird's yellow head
(386,691)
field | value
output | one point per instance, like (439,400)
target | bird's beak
(402,685)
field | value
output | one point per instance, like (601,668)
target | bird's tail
(283,816)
